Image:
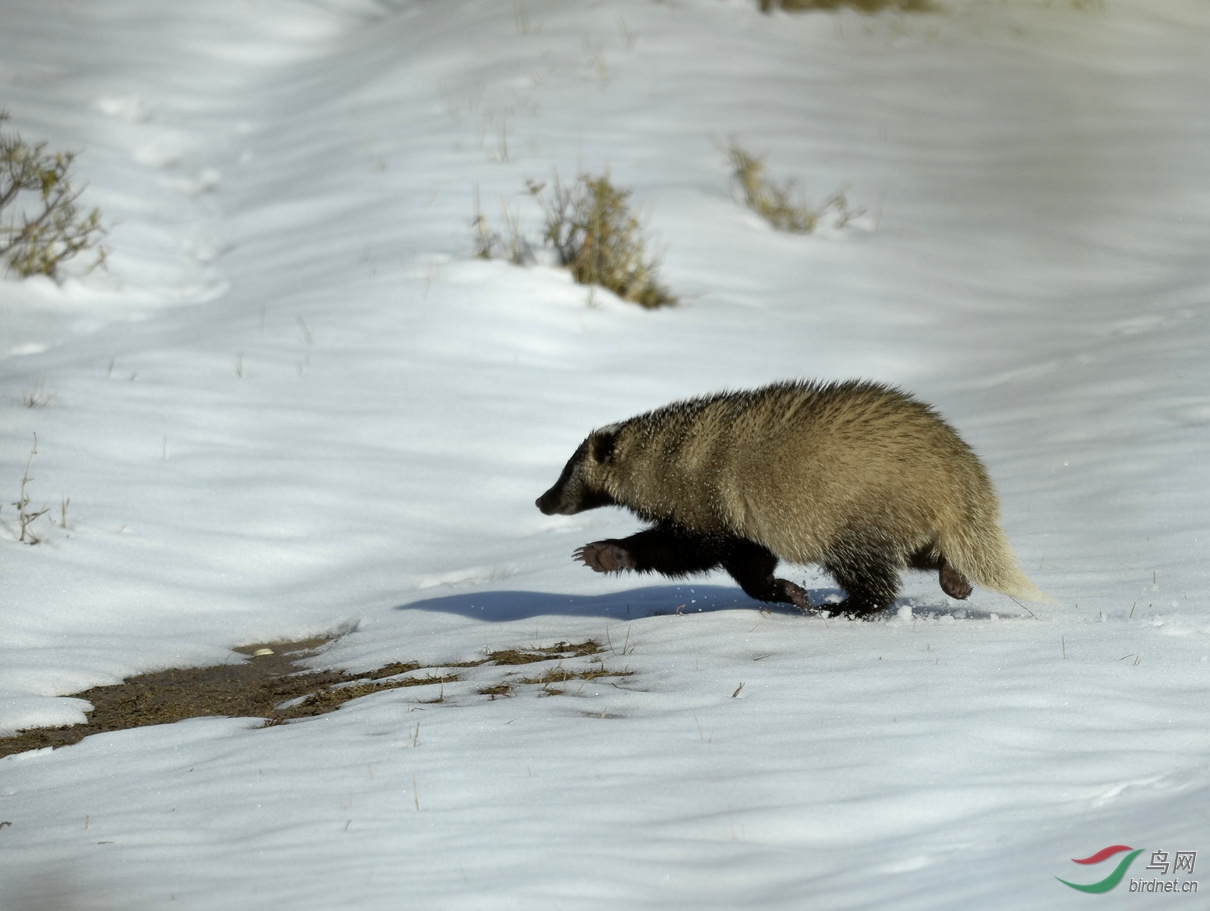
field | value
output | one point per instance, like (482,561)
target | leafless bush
(47,226)
(596,236)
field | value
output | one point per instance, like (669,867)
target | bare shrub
(50,229)
(592,229)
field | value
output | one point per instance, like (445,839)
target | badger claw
(603,557)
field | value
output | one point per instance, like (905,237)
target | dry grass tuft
(865,6)
(37,397)
(561,650)
(26,516)
(782,204)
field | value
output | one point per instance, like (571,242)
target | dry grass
(37,397)
(271,685)
(561,651)
(782,204)
(491,244)
(865,6)
(550,678)
(560,674)
(26,516)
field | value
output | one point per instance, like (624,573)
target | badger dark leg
(869,578)
(752,567)
(953,583)
(660,549)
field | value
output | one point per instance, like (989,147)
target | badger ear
(603,443)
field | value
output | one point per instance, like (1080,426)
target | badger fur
(856,477)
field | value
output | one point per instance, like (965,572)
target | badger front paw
(604,557)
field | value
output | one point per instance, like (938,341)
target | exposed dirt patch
(270,684)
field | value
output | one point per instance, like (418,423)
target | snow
(294,405)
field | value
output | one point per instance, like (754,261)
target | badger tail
(982,554)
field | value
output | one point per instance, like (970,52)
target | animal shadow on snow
(650,601)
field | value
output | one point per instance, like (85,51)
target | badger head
(583,483)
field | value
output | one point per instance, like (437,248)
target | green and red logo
(1113,878)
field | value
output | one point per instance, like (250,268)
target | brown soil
(270,684)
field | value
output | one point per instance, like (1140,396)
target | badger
(856,477)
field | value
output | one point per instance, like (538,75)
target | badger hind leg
(661,549)
(952,582)
(869,577)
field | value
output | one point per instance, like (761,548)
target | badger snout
(548,502)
